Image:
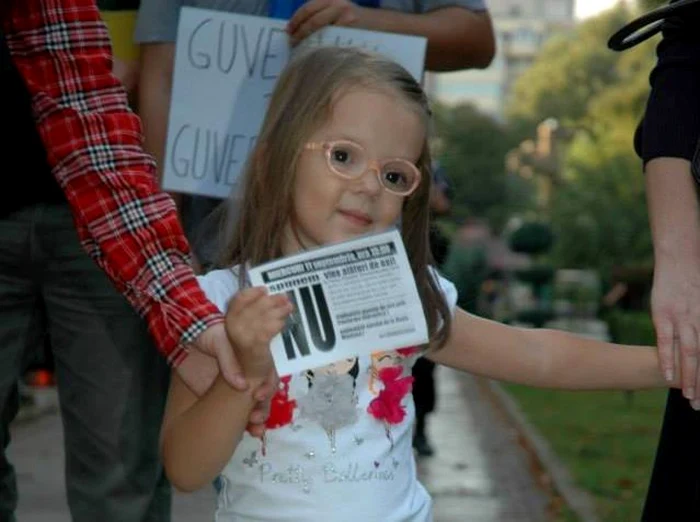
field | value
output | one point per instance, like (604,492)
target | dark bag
(649,24)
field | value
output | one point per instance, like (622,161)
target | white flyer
(351,298)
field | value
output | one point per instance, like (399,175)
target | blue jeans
(112,382)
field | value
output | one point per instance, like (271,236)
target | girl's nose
(369,181)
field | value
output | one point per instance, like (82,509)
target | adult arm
(94,147)
(667,143)
(458,37)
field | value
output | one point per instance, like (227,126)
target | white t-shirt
(327,456)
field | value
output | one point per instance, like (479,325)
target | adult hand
(215,344)
(316,14)
(675,306)
(199,370)
(674,216)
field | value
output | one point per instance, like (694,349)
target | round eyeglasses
(350,160)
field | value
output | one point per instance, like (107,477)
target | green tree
(598,211)
(651,4)
(571,70)
(600,214)
(471,149)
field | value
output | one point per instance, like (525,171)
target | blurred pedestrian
(120,18)
(424,387)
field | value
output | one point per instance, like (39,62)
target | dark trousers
(424,394)
(674,489)
(112,382)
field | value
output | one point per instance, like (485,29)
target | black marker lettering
(190,43)
(322,335)
(295,332)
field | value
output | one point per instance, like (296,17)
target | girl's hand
(263,396)
(253,318)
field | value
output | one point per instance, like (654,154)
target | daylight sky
(586,8)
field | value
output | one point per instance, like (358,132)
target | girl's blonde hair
(301,102)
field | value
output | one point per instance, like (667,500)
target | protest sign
(226,66)
(351,298)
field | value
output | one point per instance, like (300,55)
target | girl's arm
(199,435)
(546,358)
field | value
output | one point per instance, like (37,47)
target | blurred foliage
(598,210)
(651,4)
(536,275)
(531,238)
(471,147)
(631,327)
(537,317)
(467,268)
(571,69)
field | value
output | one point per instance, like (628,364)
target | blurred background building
(521,27)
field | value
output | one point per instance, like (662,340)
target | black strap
(118,5)
(647,25)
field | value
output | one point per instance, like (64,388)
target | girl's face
(386,359)
(330,208)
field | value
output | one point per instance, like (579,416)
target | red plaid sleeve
(94,145)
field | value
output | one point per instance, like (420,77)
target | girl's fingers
(259,307)
(688,340)
(259,317)
(269,307)
(665,335)
(280,300)
(257,416)
(245,298)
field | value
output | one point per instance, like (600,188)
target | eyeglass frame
(373,164)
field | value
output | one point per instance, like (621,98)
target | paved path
(479,474)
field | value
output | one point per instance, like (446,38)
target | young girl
(343,151)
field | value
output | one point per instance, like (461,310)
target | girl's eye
(397,179)
(346,157)
(342,156)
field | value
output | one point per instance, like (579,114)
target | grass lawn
(607,444)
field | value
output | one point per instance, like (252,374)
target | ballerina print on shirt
(332,399)
(390,385)
(281,413)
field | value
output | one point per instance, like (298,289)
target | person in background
(120,18)
(424,389)
(88,243)
(668,142)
